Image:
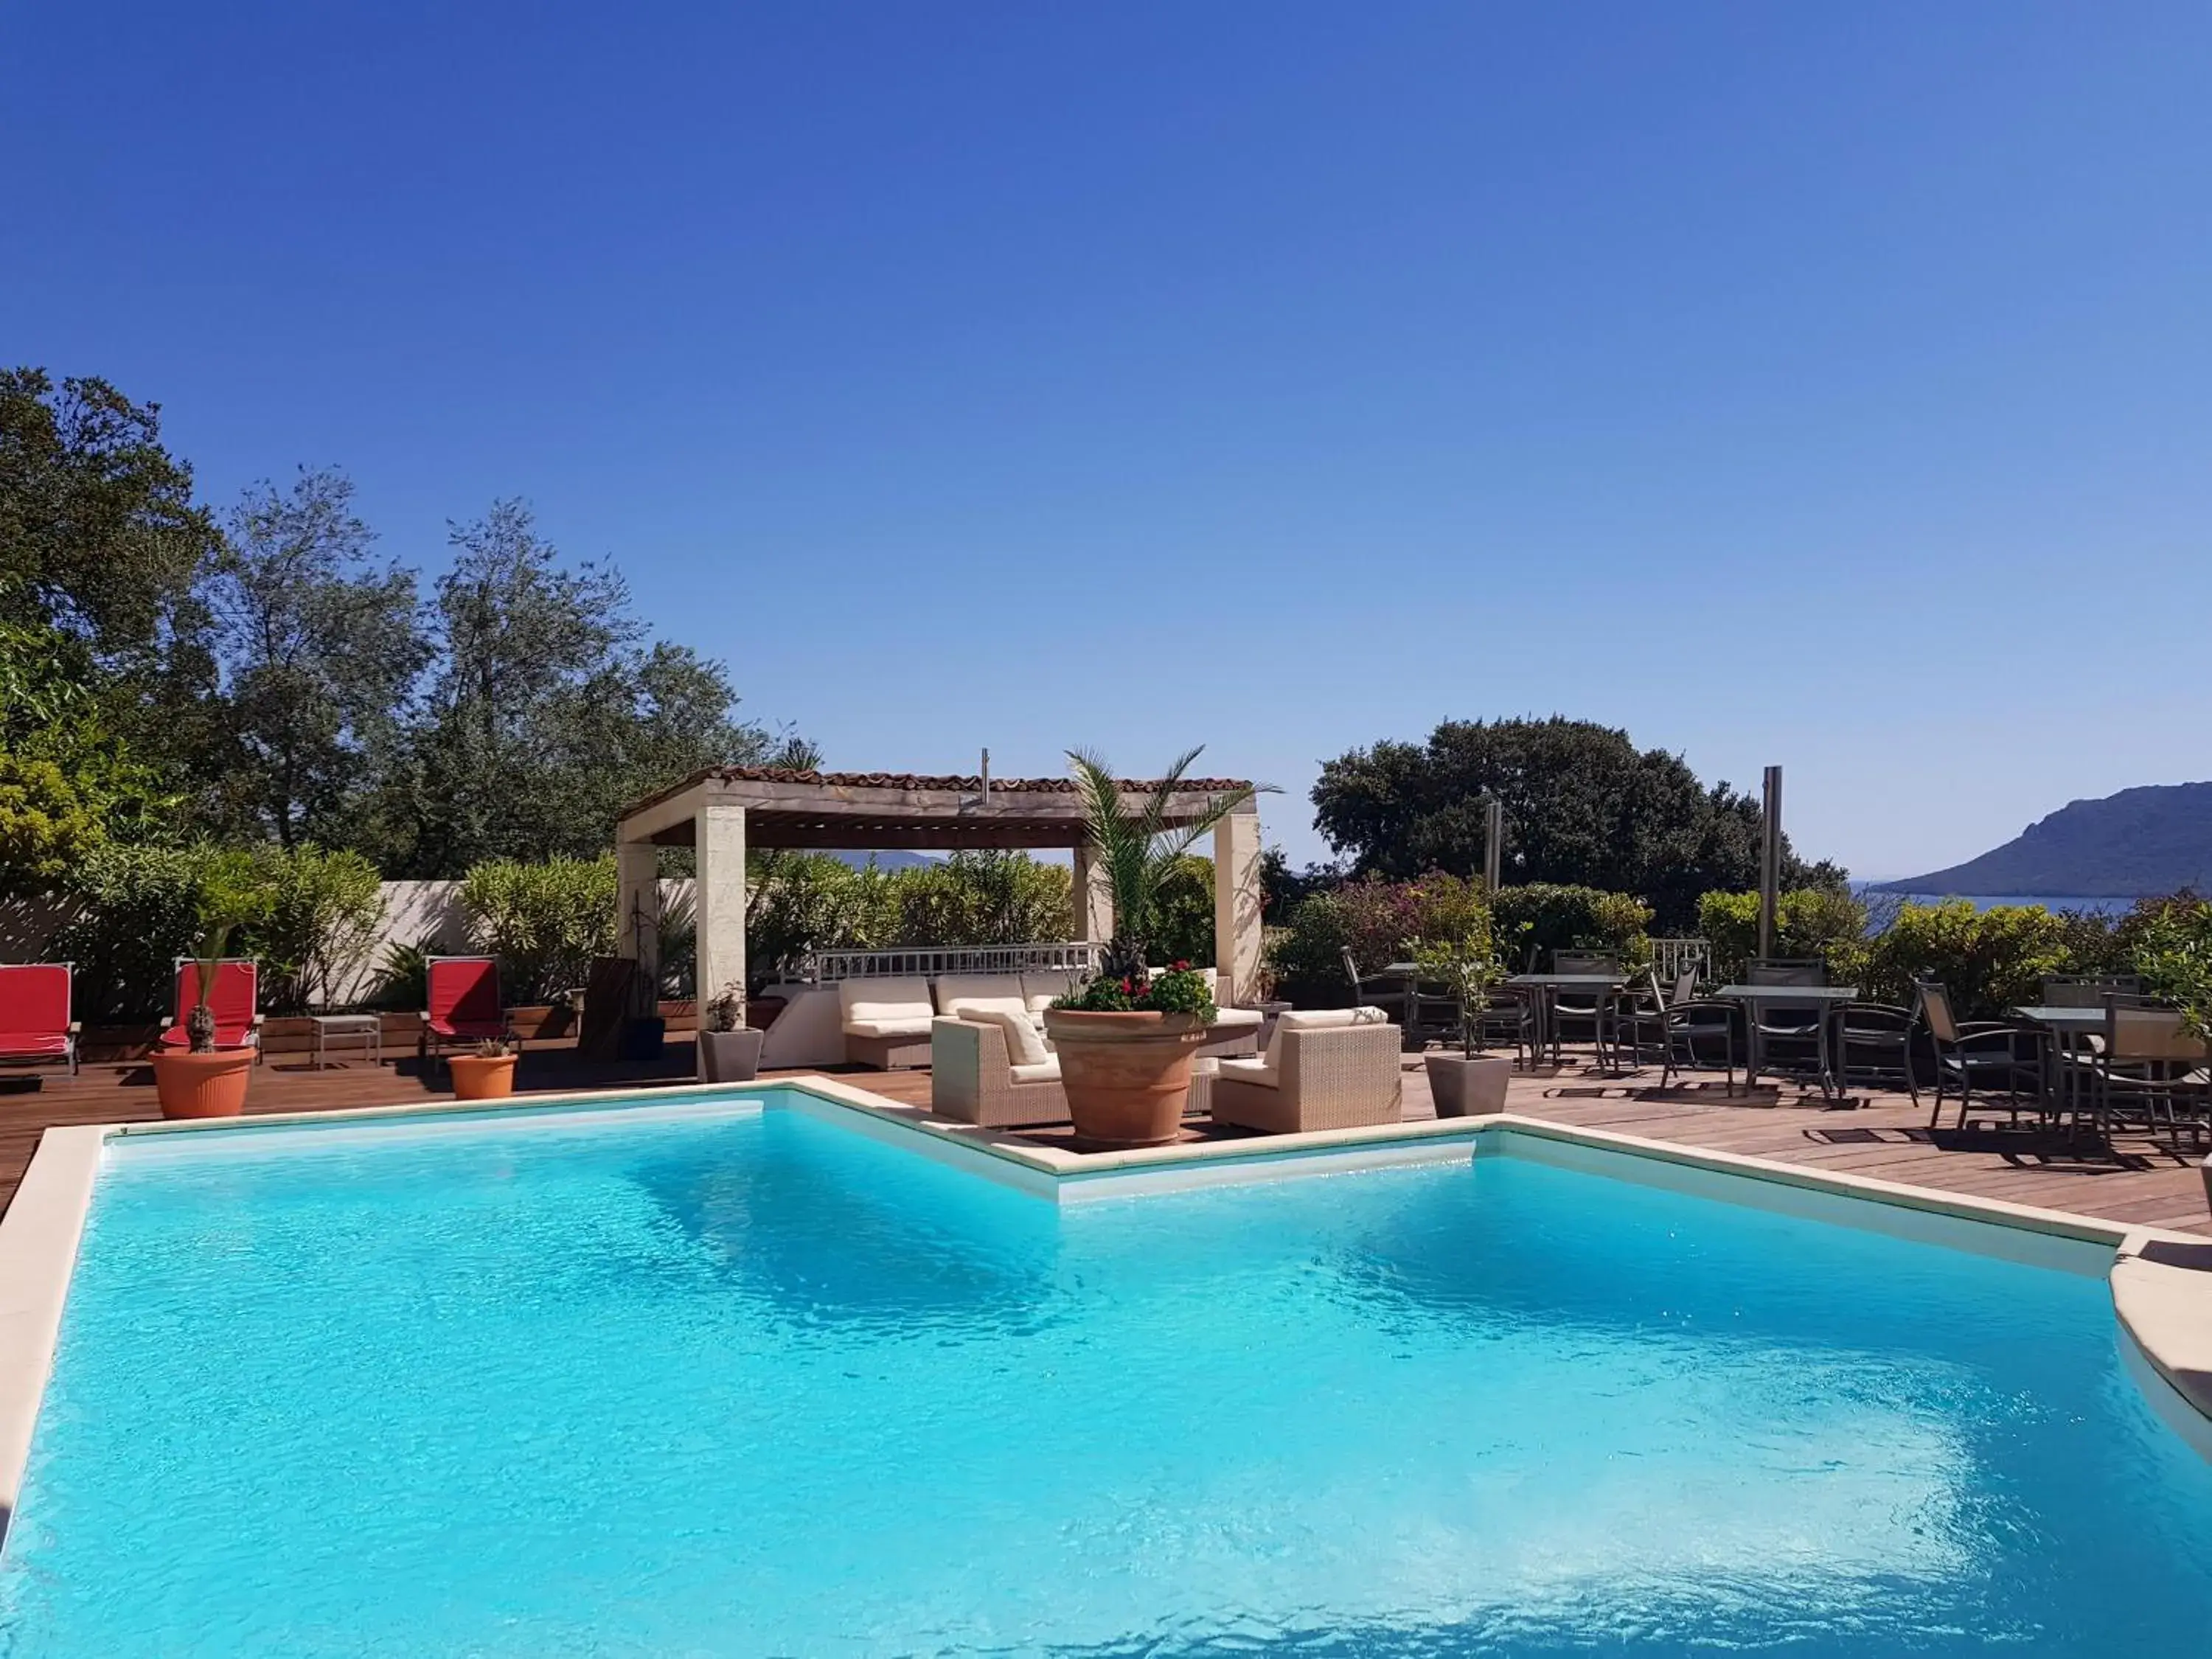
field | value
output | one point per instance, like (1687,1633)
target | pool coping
(2160,1280)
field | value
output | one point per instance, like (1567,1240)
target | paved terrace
(2138,1180)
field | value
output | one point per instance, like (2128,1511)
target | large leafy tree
(321,648)
(548,710)
(1582,806)
(100,546)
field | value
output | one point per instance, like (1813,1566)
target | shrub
(1810,921)
(141,912)
(1989,961)
(545,922)
(980,898)
(801,902)
(1541,917)
(1183,913)
(323,910)
(1382,921)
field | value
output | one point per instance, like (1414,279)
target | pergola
(722,811)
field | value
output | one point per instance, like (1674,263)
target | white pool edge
(2163,1311)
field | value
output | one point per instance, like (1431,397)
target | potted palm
(729,1048)
(1467,1084)
(1126,1038)
(203,1080)
(485,1073)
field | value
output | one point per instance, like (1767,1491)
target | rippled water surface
(756,1385)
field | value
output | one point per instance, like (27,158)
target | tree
(1582,806)
(321,650)
(1140,855)
(547,713)
(99,534)
(101,544)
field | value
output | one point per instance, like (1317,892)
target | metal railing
(927,961)
(1670,956)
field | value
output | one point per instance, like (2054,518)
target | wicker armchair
(1330,1069)
(972,1080)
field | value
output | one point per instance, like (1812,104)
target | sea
(2108,906)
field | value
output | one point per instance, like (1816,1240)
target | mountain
(2157,839)
(891,858)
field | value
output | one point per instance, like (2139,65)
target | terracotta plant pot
(1467,1085)
(1125,1076)
(201,1085)
(482,1077)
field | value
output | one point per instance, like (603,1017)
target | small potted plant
(729,1049)
(203,1080)
(485,1073)
(1126,1038)
(1467,1083)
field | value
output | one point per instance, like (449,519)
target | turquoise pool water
(757,1385)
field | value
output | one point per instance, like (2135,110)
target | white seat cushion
(885,998)
(1044,1071)
(1252,1070)
(1025,1042)
(1320,1019)
(1237,1018)
(883,1027)
(1039,986)
(963,994)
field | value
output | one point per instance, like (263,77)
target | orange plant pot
(203,1085)
(1127,1076)
(482,1077)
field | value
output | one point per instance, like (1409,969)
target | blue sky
(1822,385)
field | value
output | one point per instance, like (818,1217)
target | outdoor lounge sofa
(35,1014)
(975,1077)
(1325,1068)
(887,1022)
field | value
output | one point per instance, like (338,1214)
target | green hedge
(1381,921)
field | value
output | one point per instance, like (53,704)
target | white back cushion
(885,998)
(1041,985)
(1024,1046)
(964,994)
(1320,1019)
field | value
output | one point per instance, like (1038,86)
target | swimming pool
(741,1381)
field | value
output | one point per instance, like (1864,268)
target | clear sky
(1827,384)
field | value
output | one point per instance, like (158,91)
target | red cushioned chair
(233,1000)
(35,1014)
(465,1004)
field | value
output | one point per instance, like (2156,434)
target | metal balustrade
(929,961)
(1670,956)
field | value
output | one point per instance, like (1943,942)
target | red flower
(1182,968)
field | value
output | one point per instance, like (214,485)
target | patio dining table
(2059,1034)
(1831,999)
(1545,990)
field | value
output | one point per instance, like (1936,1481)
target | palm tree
(1138,850)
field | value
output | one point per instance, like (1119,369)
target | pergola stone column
(1092,897)
(719,912)
(637,906)
(1236,933)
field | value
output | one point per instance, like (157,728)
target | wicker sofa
(887,1023)
(973,1078)
(1328,1068)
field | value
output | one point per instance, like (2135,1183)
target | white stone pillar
(1237,907)
(1093,898)
(637,907)
(719,908)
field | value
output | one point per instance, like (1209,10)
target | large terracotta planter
(1125,1076)
(201,1085)
(482,1077)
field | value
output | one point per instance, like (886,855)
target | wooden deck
(2137,1179)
